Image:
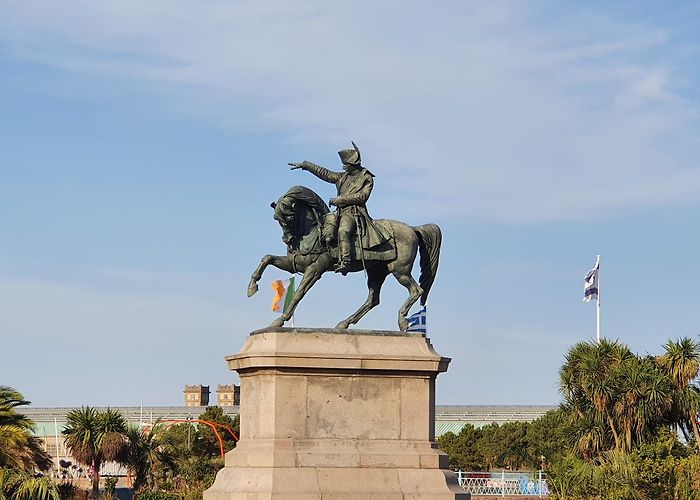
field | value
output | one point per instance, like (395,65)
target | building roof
(453,418)
(146,414)
(448,418)
(493,413)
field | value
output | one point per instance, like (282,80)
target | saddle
(361,247)
(306,218)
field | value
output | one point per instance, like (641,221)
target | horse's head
(284,214)
(300,213)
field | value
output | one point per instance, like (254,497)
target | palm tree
(9,400)
(587,383)
(645,400)
(681,363)
(143,456)
(19,448)
(590,436)
(21,454)
(613,395)
(19,485)
(94,438)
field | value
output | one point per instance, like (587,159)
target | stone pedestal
(341,414)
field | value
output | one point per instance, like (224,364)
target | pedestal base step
(324,483)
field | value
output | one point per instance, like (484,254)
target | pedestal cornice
(324,349)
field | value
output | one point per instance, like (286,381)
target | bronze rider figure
(354,186)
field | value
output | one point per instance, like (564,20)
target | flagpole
(58,454)
(597,307)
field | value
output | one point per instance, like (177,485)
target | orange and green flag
(284,291)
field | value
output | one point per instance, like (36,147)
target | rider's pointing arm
(319,171)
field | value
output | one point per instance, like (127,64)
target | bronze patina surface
(349,240)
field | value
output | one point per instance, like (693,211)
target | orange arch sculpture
(211,424)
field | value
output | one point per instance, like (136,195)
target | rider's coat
(354,189)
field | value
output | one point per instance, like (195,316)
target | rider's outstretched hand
(294,166)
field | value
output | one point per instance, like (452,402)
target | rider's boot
(344,252)
(342,268)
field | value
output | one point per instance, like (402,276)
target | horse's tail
(429,241)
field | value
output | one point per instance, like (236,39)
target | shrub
(156,495)
(688,478)
(68,490)
(110,487)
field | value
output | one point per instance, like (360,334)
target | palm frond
(36,488)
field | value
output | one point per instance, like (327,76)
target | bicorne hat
(350,156)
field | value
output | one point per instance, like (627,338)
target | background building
(228,395)
(196,395)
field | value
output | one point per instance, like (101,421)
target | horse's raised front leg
(414,293)
(312,274)
(279,261)
(375,280)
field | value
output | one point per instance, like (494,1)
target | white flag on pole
(590,284)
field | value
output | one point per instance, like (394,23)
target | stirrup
(343,268)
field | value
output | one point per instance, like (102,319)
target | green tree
(489,446)
(462,449)
(19,448)
(505,446)
(548,439)
(644,400)
(16,484)
(95,437)
(614,396)
(641,399)
(207,442)
(144,456)
(21,454)
(687,474)
(191,455)
(681,362)
(587,382)
(177,440)
(655,463)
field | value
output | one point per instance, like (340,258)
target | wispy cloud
(490,109)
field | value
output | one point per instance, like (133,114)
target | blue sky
(136,137)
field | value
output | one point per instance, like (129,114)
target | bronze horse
(300,213)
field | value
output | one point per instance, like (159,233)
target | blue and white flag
(417,322)
(590,284)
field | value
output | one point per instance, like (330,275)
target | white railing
(504,483)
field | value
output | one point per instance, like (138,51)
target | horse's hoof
(343,325)
(252,289)
(277,323)
(403,325)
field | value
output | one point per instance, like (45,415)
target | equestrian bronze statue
(349,240)
(354,186)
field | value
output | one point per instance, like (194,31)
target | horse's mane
(307,196)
